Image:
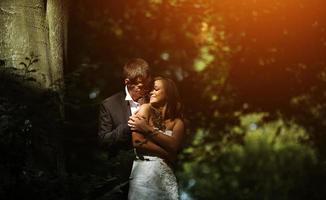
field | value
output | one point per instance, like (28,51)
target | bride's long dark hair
(173,106)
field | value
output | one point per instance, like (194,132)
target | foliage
(272,161)
(309,110)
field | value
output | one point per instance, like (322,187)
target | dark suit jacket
(115,136)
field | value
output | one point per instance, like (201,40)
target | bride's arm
(171,144)
(143,144)
(147,147)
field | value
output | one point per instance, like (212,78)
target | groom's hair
(136,68)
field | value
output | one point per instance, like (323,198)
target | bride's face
(158,93)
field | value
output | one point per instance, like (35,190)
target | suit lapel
(126,107)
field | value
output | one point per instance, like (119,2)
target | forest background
(251,73)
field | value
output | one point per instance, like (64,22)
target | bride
(158,134)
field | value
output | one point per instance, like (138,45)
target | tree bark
(35,27)
(36,30)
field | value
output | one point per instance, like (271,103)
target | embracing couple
(142,126)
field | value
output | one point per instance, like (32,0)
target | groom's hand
(138,123)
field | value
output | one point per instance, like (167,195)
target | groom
(114,133)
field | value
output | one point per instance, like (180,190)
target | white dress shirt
(134,106)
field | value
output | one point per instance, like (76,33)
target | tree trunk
(38,28)
(33,37)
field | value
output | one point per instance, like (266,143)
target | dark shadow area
(43,155)
(30,127)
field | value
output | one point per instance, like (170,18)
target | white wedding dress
(151,178)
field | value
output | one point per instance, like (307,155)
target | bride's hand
(138,123)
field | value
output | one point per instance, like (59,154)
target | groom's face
(138,88)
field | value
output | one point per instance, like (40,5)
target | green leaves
(270,157)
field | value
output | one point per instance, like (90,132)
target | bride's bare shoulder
(174,122)
(145,106)
(144,109)
(178,120)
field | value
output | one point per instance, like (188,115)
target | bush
(272,161)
